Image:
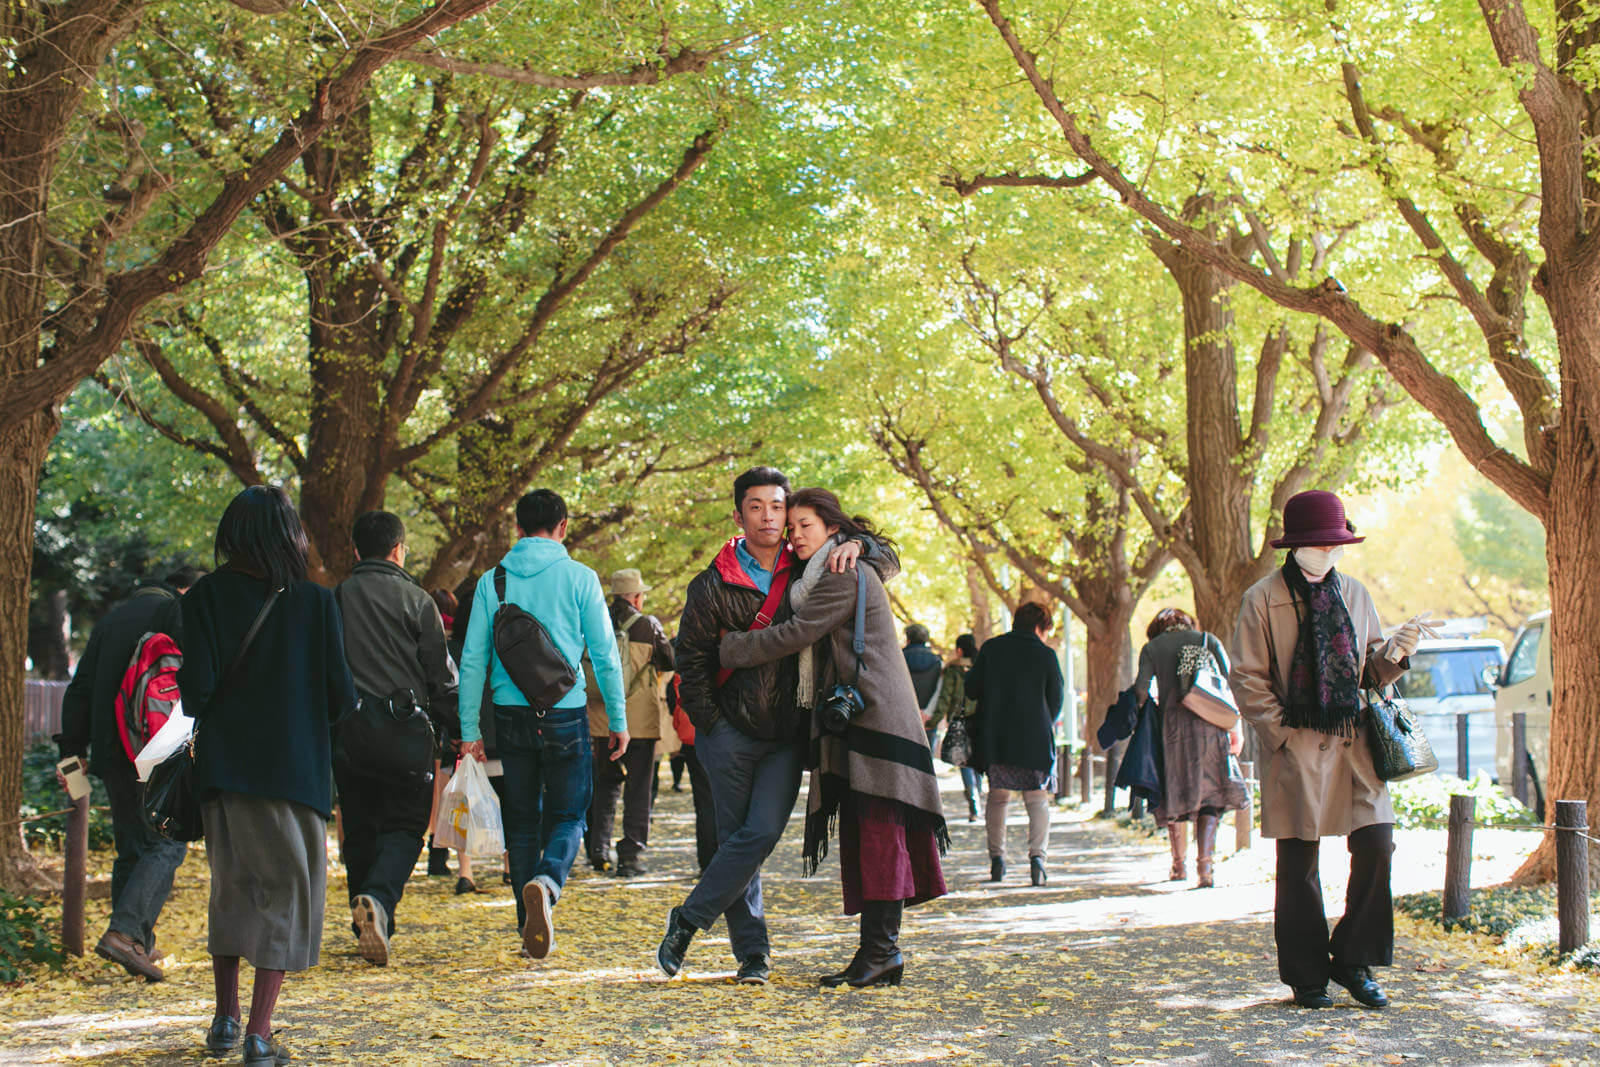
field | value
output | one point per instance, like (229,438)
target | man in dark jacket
(395,644)
(748,735)
(141,875)
(926,668)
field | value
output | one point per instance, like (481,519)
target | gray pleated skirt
(269,880)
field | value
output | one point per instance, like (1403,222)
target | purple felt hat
(1315,517)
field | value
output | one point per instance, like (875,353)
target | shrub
(25,937)
(1425,801)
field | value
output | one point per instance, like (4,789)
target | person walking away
(141,874)
(1307,642)
(645,654)
(927,674)
(394,642)
(1016,680)
(952,703)
(705,813)
(263,763)
(545,752)
(1200,779)
(609,776)
(874,777)
(439,858)
(748,735)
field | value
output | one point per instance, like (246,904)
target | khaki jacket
(1312,785)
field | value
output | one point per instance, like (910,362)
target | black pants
(633,779)
(141,875)
(384,824)
(1364,937)
(705,811)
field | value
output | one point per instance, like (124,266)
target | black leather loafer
(264,1052)
(1309,996)
(673,947)
(223,1035)
(1362,988)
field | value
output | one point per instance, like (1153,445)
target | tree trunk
(1572,546)
(23,445)
(982,621)
(49,627)
(1108,654)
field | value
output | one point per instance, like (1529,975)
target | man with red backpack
(122,685)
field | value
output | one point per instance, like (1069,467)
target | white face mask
(1315,563)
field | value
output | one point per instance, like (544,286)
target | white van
(1450,677)
(1526,684)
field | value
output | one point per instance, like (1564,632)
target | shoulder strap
(500,582)
(858,641)
(769,608)
(244,646)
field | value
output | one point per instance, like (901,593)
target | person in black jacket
(1016,681)
(395,644)
(263,769)
(141,875)
(748,734)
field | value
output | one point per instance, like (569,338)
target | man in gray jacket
(395,644)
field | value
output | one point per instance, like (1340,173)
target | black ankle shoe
(997,868)
(757,970)
(1308,996)
(839,978)
(223,1036)
(1359,981)
(262,1052)
(669,955)
(438,862)
(1036,870)
(888,973)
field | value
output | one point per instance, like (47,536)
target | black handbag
(843,705)
(169,803)
(1400,749)
(956,748)
(387,738)
(528,653)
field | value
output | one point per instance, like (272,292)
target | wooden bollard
(1519,756)
(1458,857)
(1462,762)
(1113,758)
(1086,776)
(1572,874)
(1244,820)
(74,878)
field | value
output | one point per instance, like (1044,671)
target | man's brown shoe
(119,948)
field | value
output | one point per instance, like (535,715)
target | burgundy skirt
(882,858)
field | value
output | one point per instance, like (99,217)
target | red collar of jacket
(729,570)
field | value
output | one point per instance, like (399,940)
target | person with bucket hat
(646,655)
(1307,643)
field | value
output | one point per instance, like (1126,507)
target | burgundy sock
(262,999)
(225,972)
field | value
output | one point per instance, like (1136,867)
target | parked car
(1526,684)
(1451,677)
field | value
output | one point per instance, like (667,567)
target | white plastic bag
(173,735)
(469,813)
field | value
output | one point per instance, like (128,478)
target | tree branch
(650,72)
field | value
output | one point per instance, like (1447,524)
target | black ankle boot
(880,943)
(851,972)
(997,868)
(1036,870)
(972,807)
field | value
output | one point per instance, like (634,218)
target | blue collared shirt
(752,567)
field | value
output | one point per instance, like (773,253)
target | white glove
(1403,641)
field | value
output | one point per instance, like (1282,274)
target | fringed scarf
(883,755)
(1324,690)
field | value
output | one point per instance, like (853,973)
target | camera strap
(858,642)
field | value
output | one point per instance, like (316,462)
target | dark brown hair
(1031,617)
(1170,619)
(831,512)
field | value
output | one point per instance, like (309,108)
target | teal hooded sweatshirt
(566,598)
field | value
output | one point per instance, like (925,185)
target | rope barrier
(51,815)
(1579,830)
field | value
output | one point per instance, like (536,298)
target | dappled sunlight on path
(1106,964)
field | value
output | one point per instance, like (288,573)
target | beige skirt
(269,880)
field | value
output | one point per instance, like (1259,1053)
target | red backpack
(149,691)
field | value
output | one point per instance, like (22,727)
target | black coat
(88,709)
(1016,681)
(269,734)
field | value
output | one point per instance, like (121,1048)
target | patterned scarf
(1324,690)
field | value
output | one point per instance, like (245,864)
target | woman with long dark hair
(874,778)
(263,761)
(1307,642)
(1200,780)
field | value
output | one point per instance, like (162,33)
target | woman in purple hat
(1307,642)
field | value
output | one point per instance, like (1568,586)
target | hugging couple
(767,633)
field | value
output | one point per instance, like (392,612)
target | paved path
(1104,965)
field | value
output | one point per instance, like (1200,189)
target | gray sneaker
(373,926)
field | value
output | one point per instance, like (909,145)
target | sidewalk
(1106,964)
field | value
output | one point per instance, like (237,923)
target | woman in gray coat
(874,779)
(1307,642)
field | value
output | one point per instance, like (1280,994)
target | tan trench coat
(1312,785)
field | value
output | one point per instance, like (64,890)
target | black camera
(840,708)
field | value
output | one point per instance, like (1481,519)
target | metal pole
(1458,857)
(1069,701)
(1519,756)
(1572,874)
(1461,745)
(74,878)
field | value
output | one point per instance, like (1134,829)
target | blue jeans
(753,787)
(141,875)
(548,784)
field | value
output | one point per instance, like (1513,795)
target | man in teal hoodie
(545,752)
